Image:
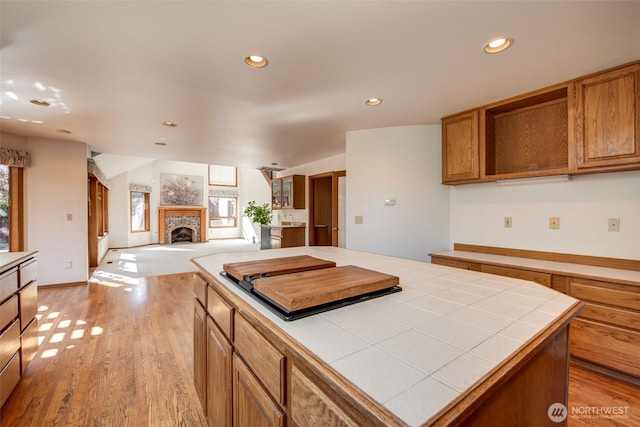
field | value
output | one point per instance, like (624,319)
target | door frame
(334,205)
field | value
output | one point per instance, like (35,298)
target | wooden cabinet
(18,325)
(276,194)
(286,237)
(219,377)
(586,125)
(606,119)
(607,332)
(460,148)
(288,192)
(252,405)
(200,352)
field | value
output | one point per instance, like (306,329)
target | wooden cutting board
(298,291)
(275,267)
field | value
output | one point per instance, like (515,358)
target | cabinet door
(252,406)
(460,149)
(200,352)
(219,377)
(606,110)
(276,194)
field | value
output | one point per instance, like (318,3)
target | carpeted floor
(131,264)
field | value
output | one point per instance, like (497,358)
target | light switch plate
(507,222)
(359,219)
(614,224)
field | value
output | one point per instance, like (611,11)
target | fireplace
(182,224)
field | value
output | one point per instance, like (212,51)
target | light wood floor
(121,354)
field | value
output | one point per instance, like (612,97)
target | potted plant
(258,214)
(262,215)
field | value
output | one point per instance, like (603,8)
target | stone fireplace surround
(171,218)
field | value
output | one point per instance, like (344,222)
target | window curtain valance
(216,192)
(140,188)
(93,169)
(18,159)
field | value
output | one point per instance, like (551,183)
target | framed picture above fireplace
(181,190)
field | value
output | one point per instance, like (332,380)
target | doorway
(326,208)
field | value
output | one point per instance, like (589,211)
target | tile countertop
(629,277)
(415,351)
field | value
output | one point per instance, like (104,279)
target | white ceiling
(115,70)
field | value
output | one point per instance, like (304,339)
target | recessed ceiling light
(498,45)
(67,132)
(160,143)
(40,102)
(256,61)
(373,101)
(169,124)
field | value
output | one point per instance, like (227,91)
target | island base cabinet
(525,397)
(252,405)
(310,406)
(219,379)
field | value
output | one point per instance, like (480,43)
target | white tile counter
(418,350)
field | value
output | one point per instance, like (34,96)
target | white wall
(583,204)
(402,163)
(56,185)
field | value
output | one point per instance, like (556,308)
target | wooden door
(323,209)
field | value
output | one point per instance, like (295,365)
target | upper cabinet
(288,192)
(587,125)
(460,150)
(607,119)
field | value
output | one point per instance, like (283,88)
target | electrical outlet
(614,224)
(554,222)
(359,219)
(507,222)
(69,217)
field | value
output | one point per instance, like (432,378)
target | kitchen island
(452,347)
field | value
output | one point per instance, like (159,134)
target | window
(4,208)
(139,211)
(222,211)
(226,176)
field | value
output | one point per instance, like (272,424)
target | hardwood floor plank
(112,353)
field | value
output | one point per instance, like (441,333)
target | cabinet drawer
(8,311)
(311,406)
(264,359)
(606,293)
(29,344)
(455,263)
(221,312)
(605,345)
(8,283)
(28,300)
(534,276)
(617,316)
(200,289)
(9,342)
(28,272)
(9,377)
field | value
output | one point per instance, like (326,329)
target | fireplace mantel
(164,212)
